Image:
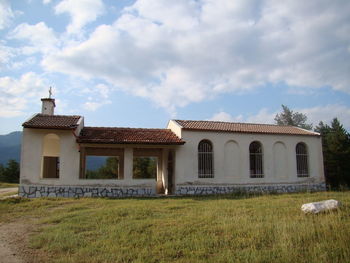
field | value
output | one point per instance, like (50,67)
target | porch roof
(128,136)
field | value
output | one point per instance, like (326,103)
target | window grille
(205,159)
(302,160)
(256,160)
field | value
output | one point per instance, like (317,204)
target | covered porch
(128,157)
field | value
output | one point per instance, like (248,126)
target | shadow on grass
(233,196)
(238,195)
(15,200)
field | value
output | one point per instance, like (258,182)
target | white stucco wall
(231,158)
(51,145)
(33,150)
(175,127)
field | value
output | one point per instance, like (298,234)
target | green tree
(288,117)
(336,153)
(2,179)
(10,172)
(144,167)
(110,170)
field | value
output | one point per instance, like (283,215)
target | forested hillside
(10,147)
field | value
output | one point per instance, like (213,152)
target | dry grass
(7,185)
(2,195)
(268,228)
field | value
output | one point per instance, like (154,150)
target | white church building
(61,157)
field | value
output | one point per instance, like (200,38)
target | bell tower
(48,104)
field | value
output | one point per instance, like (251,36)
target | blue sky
(140,63)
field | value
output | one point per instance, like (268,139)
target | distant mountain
(10,147)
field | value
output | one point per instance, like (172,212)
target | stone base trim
(33,191)
(282,188)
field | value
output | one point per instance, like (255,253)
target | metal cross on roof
(50,92)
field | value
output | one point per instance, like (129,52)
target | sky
(139,63)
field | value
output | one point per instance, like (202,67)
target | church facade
(61,157)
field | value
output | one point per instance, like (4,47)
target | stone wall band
(33,191)
(209,190)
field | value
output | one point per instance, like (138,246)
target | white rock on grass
(318,207)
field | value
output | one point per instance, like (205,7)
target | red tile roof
(220,126)
(128,136)
(60,122)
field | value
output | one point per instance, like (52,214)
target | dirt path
(8,190)
(14,241)
(8,250)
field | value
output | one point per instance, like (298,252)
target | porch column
(165,169)
(82,162)
(128,163)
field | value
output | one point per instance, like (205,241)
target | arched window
(51,156)
(302,160)
(205,159)
(256,160)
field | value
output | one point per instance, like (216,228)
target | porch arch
(51,156)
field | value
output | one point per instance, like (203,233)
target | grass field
(267,228)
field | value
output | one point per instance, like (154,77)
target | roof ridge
(130,128)
(57,115)
(249,123)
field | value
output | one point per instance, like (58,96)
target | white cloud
(81,12)
(224,116)
(314,115)
(99,96)
(188,51)
(45,2)
(94,105)
(6,53)
(263,116)
(6,14)
(40,37)
(175,15)
(16,65)
(327,113)
(11,107)
(103,90)
(15,93)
